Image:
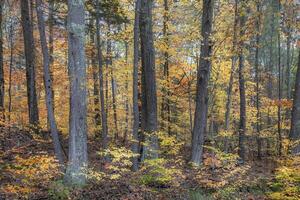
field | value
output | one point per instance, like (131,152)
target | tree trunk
(149,99)
(233,63)
(48,84)
(51,44)
(295,121)
(135,88)
(1,65)
(77,74)
(126,100)
(257,80)
(11,46)
(203,76)
(113,85)
(279,142)
(242,127)
(165,108)
(96,93)
(100,63)
(30,65)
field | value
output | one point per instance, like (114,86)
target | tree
(135,89)
(149,98)
(48,83)
(165,108)
(200,119)
(242,126)
(257,80)
(295,121)
(100,63)
(1,62)
(30,63)
(77,74)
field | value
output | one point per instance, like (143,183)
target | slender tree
(30,63)
(135,89)
(200,119)
(101,85)
(165,108)
(96,92)
(48,83)
(279,141)
(233,66)
(1,62)
(257,80)
(242,126)
(77,74)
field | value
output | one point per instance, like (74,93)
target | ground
(28,170)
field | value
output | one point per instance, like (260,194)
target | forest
(150,99)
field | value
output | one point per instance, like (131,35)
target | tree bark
(77,74)
(96,92)
(149,99)
(242,126)
(257,80)
(165,108)
(279,141)
(100,63)
(200,119)
(233,63)
(295,121)
(48,84)
(30,63)
(1,64)
(135,88)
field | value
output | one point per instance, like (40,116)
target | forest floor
(29,171)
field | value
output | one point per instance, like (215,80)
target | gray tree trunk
(30,63)
(295,121)
(11,46)
(78,160)
(165,108)
(1,64)
(257,80)
(149,99)
(100,63)
(233,64)
(279,140)
(48,84)
(200,119)
(242,126)
(135,88)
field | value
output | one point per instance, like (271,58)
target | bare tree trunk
(126,100)
(149,100)
(203,76)
(233,63)
(11,46)
(100,63)
(51,44)
(48,84)
(295,121)
(96,92)
(78,160)
(135,89)
(1,65)
(242,127)
(30,65)
(165,108)
(257,80)
(279,142)
(113,86)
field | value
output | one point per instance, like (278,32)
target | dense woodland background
(150,99)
